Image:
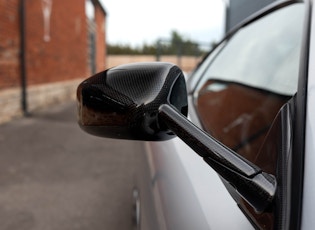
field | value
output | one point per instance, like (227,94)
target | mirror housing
(123,102)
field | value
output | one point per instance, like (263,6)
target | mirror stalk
(255,186)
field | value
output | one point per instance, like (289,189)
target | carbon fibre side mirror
(123,102)
(145,101)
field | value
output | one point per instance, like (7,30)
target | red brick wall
(100,38)
(9,44)
(65,55)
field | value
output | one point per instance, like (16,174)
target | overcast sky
(138,21)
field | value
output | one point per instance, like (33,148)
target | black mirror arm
(255,186)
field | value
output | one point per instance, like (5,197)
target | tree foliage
(176,45)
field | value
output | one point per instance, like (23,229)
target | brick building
(47,45)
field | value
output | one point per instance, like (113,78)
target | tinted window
(250,79)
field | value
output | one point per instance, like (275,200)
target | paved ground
(54,176)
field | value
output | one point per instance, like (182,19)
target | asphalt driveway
(55,176)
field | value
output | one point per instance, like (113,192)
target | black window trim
(297,165)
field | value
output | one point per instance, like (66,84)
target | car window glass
(193,79)
(264,54)
(249,80)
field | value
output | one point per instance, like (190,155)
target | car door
(244,95)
